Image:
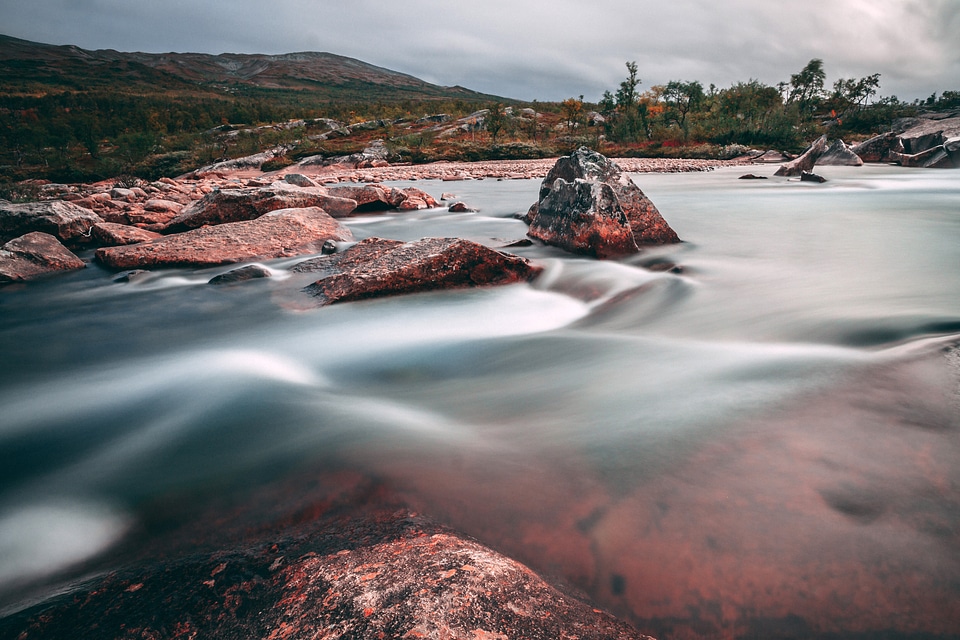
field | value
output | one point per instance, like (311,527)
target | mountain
(32,68)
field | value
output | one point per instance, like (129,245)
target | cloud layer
(533,49)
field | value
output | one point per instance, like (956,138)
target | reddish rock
(412,193)
(33,255)
(387,574)
(460,207)
(110,234)
(235,205)
(649,227)
(158,205)
(69,222)
(279,234)
(299,180)
(806,161)
(583,217)
(376,267)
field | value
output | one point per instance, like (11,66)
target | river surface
(755,433)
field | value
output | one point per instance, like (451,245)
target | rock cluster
(587,205)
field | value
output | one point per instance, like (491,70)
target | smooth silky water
(762,441)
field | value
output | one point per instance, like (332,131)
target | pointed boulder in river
(644,222)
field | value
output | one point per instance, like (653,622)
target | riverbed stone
(111,234)
(34,255)
(235,205)
(278,234)
(377,267)
(878,148)
(68,222)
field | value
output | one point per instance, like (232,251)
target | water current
(755,433)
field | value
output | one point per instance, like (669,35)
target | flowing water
(755,433)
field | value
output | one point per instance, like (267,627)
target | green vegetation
(73,122)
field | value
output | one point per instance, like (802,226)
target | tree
(629,121)
(496,118)
(806,87)
(572,112)
(682,98)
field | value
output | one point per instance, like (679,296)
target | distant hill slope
(29,68)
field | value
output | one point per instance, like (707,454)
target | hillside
(30,68)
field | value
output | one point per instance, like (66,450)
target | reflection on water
(760,442)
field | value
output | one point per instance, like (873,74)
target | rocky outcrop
(806,161)
(928,133)
(369,197)
(66,221)
(935,158)
(585,217)
(376,267)
(278,234)
(235,205)
(646,224)
(840,155)
(878,148)
(34,255)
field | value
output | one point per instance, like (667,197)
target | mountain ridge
(31,65)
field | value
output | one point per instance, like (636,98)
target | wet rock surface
(324,568)
(235,205)
(376,267)
(282,233)
(34,255)
(839,154)
(587,205)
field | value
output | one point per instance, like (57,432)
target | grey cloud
(541,49)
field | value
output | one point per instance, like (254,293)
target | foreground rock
(376,267)
(595,228)
(35,255)
(70,223)
(806,161)
(278,234)
(331,569)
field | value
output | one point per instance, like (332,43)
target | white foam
(44,538)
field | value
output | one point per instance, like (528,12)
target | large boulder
(34,255)
(585,217)
(385,574)
(806,161)
(69,222)
(376,267)
(878,148)
(646,223)
(110,234)
(839,154)
(932,158)
(369,197)
(235,205)
(278,234)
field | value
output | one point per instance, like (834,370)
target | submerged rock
(249,272)
(809,176)
(644,221)
(34,255)
(806,161)
(385,574)
(278,234)
(68,222)
(376,267)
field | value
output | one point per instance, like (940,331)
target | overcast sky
(538,49)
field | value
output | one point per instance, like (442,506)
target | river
(755,433)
